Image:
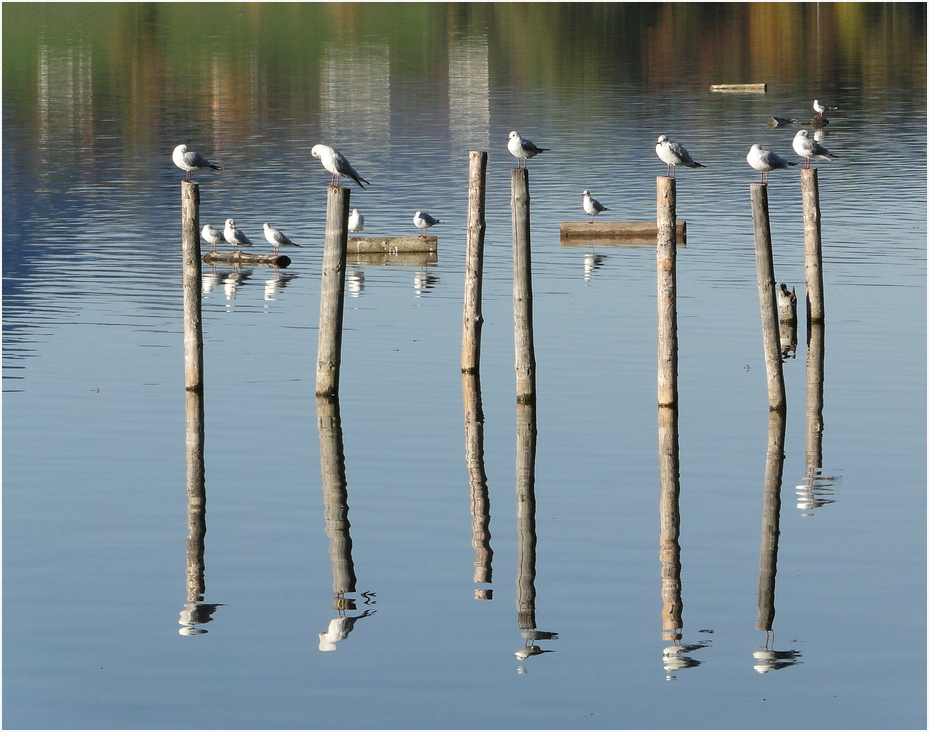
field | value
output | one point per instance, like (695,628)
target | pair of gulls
(236,237)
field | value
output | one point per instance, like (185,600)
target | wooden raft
(237,257)
(392,244)
(616,232)
(753,88)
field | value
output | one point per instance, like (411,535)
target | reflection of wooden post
(196,498)
(771,517)
(480,497)
(815,357)
(335,494)
(764,263)
(332,292)
(522,286)
(525,514)
(670,520)
(812,245)
(474,264)
(667,291)
(193,321)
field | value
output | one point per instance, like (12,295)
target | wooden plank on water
(391,244)
(237,257)
(751,88)
(617,231)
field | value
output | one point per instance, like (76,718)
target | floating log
(618,230)
(237,257)
(752,88)
(391,244)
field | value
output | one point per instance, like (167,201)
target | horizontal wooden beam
(753,88)
(391,244)
(618,231)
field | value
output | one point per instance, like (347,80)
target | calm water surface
(95,459)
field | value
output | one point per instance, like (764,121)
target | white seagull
(592,206)
(189,160)
(234,236)
(337,164)
(766,161)
(423,221)
(212,236)
(806,147)
(523,149)
(821,108)
(674,154)
(277,239)
(356,222)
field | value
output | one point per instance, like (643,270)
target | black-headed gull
(674,154)
(592,206)
(190,161)
(356,222)
(821,108)
(423,221)
(806,147)
(337,164)
(212,236)
(234,236)
(766,161)
(277,239)
(522,148)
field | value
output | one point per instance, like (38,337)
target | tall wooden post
(522,286)
(812,246)
(767,296)
(474,264)
(332,292)
(192,278)
(669,550)
(667,291)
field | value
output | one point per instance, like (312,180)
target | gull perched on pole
(337,164)
(189,160)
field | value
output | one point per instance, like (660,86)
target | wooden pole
(767,296)
(332,292)
(667,291)
(771,518)
(525,514)
(812,246)
(669,550)
(522,286)
(192,278)
(474,263)
(196,498)
(335,494)
(477,477)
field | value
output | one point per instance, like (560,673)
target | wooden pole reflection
(770,522)
(196,498)
(670,521)
(525,513)
(477,477)
(335,495)
(815,376)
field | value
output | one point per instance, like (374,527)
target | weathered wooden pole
(332,292)
(525,514)
(767,296)
(335,496)
(771,518)
(669,548)
(812,246)
(477,477)
(666,249)
(192,278)
(474,264)
(196,498)
(522,286)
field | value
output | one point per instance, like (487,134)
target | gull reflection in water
(196,613)
(592,262)
(339,628)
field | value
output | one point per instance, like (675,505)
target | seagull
(337,164)
(189,160)
(234,236)
(212,236)
(523,149)
(674,154)
(821,108)
(592,206)
(277,239)
(424,221)
(766,161)
(806,147)
(356,222)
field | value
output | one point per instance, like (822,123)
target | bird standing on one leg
(592,206)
